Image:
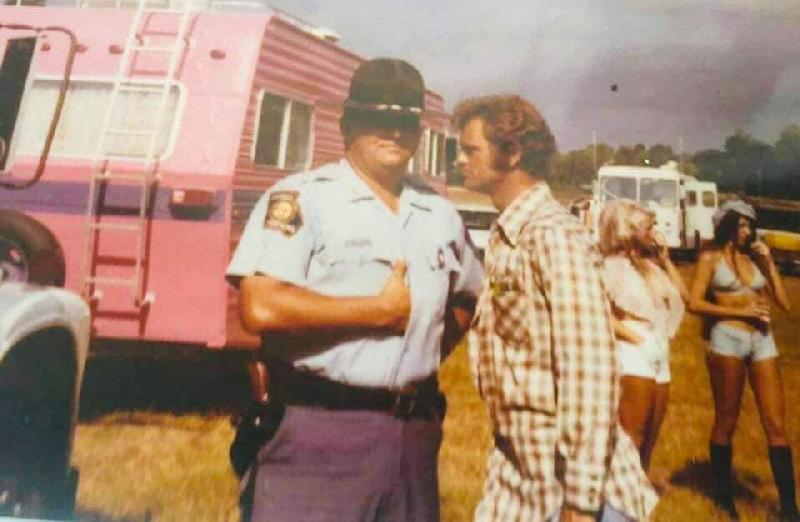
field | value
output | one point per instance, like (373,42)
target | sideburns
(501,161)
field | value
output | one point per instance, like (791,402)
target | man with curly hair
(542,345)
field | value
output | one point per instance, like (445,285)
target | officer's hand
(396,298)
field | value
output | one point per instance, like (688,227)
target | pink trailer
(135,138)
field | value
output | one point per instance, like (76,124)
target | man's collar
(356,187)
(519,212)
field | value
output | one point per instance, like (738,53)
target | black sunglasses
(386,121)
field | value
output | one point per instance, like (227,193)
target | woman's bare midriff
(737,300)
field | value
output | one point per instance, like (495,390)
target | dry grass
(140,464)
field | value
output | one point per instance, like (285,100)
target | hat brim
(387,108)
(737,207)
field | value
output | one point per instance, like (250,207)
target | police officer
(359,280)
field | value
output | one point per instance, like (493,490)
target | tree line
(745,164)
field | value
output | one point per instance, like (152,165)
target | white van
(683,206)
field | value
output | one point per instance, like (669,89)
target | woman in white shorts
(647,296)
(734,282)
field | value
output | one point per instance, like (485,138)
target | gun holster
(257,425)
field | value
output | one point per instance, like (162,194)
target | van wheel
(29,252)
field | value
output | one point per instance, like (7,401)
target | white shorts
(649,359)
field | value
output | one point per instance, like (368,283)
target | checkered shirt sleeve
(584,360)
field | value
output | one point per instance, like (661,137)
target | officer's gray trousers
(346,466)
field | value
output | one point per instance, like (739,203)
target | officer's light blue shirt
(345,246)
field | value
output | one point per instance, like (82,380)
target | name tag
(358,243)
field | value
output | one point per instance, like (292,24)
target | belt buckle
(405,402)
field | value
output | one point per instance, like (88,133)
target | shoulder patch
(283,212)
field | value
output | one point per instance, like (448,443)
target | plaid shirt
(543,356)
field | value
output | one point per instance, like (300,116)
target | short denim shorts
(735,342)
(648,359)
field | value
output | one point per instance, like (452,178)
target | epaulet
(420,184)
(305,178)
(325,173)
(293,181)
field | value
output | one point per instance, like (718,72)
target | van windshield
(618,187)
(660,192)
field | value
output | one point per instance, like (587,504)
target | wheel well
(41,248)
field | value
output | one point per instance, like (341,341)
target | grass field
(153,441)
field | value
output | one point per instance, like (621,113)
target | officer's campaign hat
(388,86)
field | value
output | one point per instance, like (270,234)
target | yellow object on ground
(782,240)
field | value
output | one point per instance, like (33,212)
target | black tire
(29,251)
(37,387)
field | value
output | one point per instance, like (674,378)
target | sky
(688,73)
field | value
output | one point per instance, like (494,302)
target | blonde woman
(735,279)
(647,296)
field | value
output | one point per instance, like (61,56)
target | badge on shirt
(283,212)
(502,285)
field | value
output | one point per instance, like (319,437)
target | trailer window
(709,199)
(691,198)
(436,156)
(419,162)
(429,159)
(83,114)
(283,137)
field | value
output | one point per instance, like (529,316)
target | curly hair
(511,124)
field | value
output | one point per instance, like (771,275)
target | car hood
(25,309)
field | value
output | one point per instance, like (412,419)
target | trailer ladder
(107,165)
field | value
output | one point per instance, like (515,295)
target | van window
(691,198)
(283,136)
(709,199)
(82,118)
(662,192)
(619,187)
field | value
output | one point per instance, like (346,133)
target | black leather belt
(420,399)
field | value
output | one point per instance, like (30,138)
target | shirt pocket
(356,267)
(511,322)
(527,384)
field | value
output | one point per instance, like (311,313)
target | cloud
(697,69)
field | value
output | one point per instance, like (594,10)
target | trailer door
(13,77)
